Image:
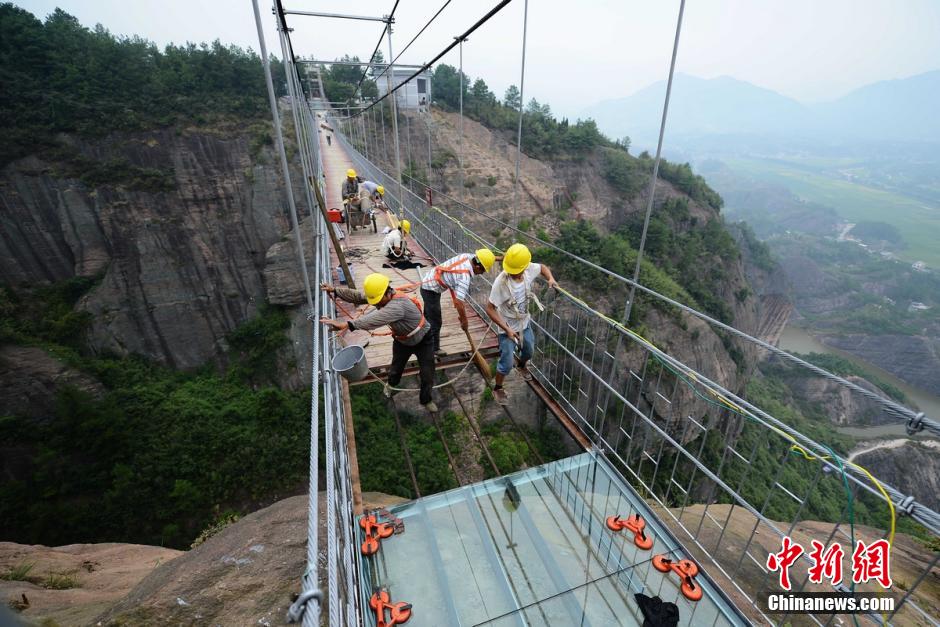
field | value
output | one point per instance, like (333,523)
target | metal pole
(388,158)
(460,137)
(394,98)
(515,185)
(309,582)
(659,150)
(337,15)
(408,132)
(428,122)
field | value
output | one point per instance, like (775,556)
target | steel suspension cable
(413,39)
(659,152)
(391,17)
(483,20)
(515,185)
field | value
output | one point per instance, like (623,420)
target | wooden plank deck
(364,257)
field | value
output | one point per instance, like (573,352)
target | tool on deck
(634,523)
(686,570)
(399,613)
(375,531)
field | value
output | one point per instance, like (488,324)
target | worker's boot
(431,406)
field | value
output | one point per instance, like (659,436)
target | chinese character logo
(782,561)
(872,562)
(826,564)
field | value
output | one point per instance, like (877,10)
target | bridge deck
(364,257)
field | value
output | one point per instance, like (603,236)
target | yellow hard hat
(380,190)
(406,227)
(486,258)
(375,286)
(351,173)
(517,258)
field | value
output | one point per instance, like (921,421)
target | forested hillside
(61,77)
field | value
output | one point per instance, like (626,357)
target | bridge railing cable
(726,475)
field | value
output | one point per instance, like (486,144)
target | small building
(415,95)
(919,266)
(916,306)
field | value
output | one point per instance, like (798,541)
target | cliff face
(182,264)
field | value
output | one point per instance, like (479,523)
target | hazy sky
(582,51)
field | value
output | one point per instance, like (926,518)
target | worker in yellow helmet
(454,275)
(508,307)
(403,315)
(351,199)
(394,246)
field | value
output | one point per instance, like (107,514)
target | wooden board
(364,257)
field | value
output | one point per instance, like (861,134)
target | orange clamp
(634,523)
(398,612)
(686,569)
(375,531)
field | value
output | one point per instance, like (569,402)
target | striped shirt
(400,314)
(457,281)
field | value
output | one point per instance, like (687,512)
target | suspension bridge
(683,489)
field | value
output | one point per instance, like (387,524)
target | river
(797,340)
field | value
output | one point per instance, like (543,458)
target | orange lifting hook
(686,569)
(375,531)
(399,612)
(634,523)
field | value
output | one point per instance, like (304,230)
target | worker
(375,191)
(454,275)
(351,199)
(410,330)
(508,307)
(394,246)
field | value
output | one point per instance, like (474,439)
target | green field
(918,221)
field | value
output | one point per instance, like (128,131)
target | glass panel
(529,548)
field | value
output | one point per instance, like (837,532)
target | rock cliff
(181,262)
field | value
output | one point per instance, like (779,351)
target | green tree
(512,98)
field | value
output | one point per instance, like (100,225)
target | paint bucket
(350,362)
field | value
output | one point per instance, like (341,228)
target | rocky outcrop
(30,378)
(913,359)
(90,578)
(910,466)
(182,265)
(842,406)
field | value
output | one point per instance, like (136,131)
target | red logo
(826,564)
(869,562)
(784,559)
(872,562)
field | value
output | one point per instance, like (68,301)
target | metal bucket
(350,362)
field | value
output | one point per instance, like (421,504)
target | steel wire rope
(450,47)
(413,39)
(391,18)
(515,183)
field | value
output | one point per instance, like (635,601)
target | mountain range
(895,110)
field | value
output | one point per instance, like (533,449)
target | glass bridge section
(531,548)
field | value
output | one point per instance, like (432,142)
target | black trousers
(432,311)
(424,351)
